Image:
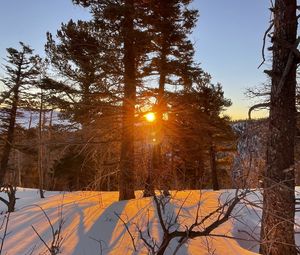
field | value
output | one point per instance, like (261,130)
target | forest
(116,140)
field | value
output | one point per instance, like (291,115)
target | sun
(150,116)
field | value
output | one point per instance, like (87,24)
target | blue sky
(228,37)
(228,41)
(29,20)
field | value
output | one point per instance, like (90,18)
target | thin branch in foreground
(56,242)
(264,43)
(39,236)
(127,229)
(219,216)
(5,232)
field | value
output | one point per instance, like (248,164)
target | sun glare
(150,116)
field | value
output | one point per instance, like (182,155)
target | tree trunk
(12,121)
(277,233)
(213,167)
(149,185)
(164,245)
(19,167)
(10,135)
(11,193)
(40,149)
(126,177)
(161,105)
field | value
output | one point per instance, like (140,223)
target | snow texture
(93,223)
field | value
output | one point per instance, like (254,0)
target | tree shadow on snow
(247,230)
(98,239)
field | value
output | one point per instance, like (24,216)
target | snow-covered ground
(94,223)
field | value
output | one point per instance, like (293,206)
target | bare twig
(56,242)
(127,229)
(5,232)
(264,42)
(220,216)
(257,106)
(49,249)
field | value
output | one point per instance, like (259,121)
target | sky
(228,38)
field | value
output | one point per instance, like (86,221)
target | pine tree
(198,131)
(122,21)
(82,58)
(86,90)
(22,70)
(170,22)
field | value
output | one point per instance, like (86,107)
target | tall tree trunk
(156,148)
(48,158)
(10,135)
(213,167)
(126,176)
(19,167)
(12,121)
(277,234)
(149,185)
(41,149)
(157,160)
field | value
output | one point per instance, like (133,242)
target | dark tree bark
(158,167)
(11,128)
(41,149)
(149,185)
(277,234)
(213,167)
(126,177)
(157,157)
(11,193)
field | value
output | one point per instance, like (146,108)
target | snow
(93,223)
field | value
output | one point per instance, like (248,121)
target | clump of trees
(99,77)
